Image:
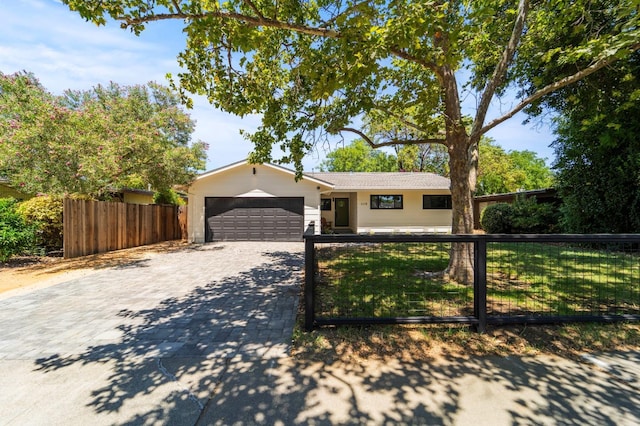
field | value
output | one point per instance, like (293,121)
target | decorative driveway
(131,344)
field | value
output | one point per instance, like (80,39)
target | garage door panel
(254,219)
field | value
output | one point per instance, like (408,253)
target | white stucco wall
(239,180)
(411,218)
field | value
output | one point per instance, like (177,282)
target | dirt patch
(431,343)
(23,273)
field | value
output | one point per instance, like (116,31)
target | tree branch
(254,8)
(345,12)
(261,21)
(403,120)
(374,145)
(408,57)
(501,68)
(400,119)
(251,21)
(176,5)
(555,86)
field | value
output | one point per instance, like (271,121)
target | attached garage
(266,202)
(254,202)
(254,218)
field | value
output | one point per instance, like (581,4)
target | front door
(342,212)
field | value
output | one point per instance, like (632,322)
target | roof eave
(223,169)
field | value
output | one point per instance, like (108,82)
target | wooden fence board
(97,226)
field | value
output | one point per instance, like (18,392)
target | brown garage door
(254,219)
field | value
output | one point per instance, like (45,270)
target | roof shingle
(344,181)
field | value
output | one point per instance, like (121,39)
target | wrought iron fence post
(480,284)
(309,272)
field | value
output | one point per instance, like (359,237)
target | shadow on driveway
(218,355)
(189,342)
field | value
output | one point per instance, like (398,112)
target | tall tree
(94,141)
(358,156)
(313,68)
(597,149)
(500,171)
(537,175)
(598,152)
(423,158)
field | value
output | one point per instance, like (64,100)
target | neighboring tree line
(598,151)
(86,144)
(597,158)
(499,171)
(96,141)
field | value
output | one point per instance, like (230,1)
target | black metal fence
(394,279)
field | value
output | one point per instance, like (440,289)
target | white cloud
(66,52)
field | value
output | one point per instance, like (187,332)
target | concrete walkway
(200,337)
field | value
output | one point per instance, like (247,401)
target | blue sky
(65,52)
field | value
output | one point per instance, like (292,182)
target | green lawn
(401,279)
(558,279)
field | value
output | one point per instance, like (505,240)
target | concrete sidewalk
(482,391)
(201,337)
(281,391)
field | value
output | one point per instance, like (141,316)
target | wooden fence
(97,226)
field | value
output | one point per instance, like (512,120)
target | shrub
(16,236)
(45,214)
(529,217)
(168,196)
(497,218)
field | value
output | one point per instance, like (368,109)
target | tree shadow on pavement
(180,349)
(490,390)
(219,355)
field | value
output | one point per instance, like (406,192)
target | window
(442,202)
(325,204)
(386,201)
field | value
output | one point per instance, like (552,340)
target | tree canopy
(358,156)
(94,141)
(500,171)
(598,152)
(313,69)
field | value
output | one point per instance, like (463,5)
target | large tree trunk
(463,165)
(463,160)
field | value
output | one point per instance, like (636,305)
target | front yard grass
(523,278)
(402,279)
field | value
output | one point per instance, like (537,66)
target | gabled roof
(353,181)
(305,176)
(344,181)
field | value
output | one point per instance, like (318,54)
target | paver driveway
(131,344)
